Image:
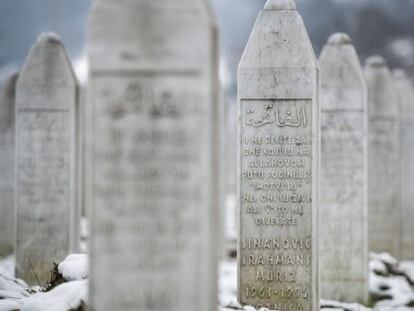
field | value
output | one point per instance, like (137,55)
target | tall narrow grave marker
(152,167)
(278,85)
(7,215)
(343,192)
(45,160)
(405,96)
(384,211)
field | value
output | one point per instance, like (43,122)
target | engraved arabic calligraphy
(288,119)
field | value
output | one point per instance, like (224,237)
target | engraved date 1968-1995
(282,292)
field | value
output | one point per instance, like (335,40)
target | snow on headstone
(46,95)
(405,96)
(278,87)
(384,213)
(151,160)
(7,217)
(343,182)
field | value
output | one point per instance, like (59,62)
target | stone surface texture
(405,96)
(278,85)
(46,95)
(151,170)
(343,181)
(7,217)
(384,185)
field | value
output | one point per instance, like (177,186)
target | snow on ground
(227,296)
(16,295)
(228,293)
(74,267)
(389,283)
(64,297)
(407,267)
(339,306)
(7,266)
(391,287)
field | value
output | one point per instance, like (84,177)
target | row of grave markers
(330,124)
(325,161)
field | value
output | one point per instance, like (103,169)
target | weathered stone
(343,179)
(80,212)
(46,95)
(384,213)
(278,88)
(405,96)
(152,168)
(7,218)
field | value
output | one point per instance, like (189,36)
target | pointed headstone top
(47,62)
(376,62)
(339,38)
(280,5)
(49,37)
(399,74)
(46,72)
(342,71)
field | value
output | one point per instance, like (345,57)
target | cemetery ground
(391,287)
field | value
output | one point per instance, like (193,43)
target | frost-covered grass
(390,287)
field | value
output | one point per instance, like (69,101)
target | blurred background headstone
(405,96)
(152,155)
(343,183)
(384,163)
(7,215)
(45,203)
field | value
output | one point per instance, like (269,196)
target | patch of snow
(74,267)
(335,305)
(7,265)
(62,298)
(378,267)
(385,258)
(407,267)
(389,287)
(388,284)
(392,291)
(392,265)
(15,294)
(7,305)
(12,288)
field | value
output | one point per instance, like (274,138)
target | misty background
(384,27)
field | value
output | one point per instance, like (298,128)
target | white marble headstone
(405,96)
(384,196)
(46,95)
(152,180)
(278,89)
(7,217)
(343,179)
